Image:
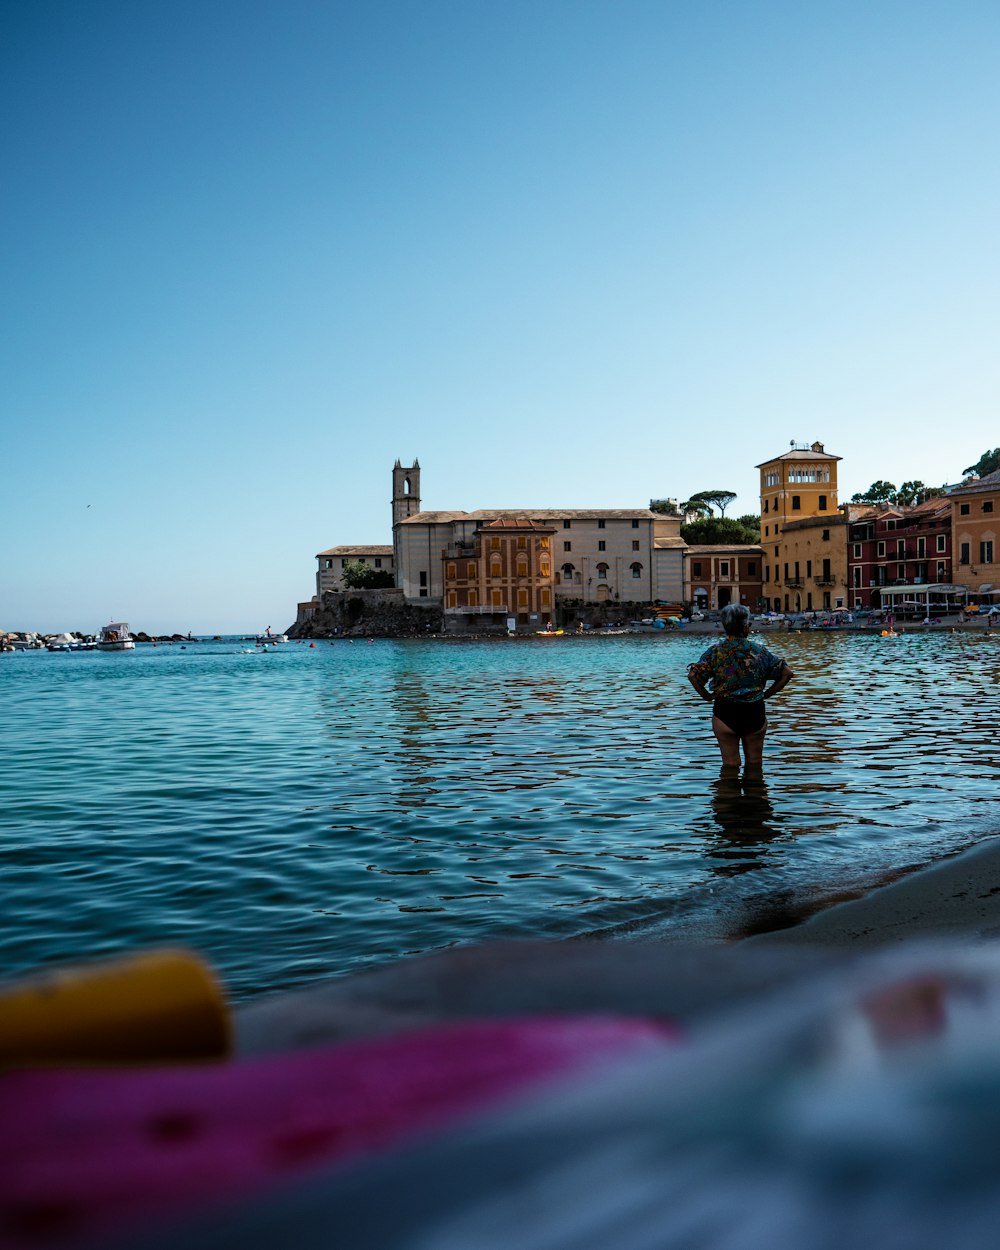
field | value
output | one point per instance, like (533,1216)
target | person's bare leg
(729,743)
(753,750)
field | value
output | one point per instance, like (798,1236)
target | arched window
(496,568)
(406,485)
(636,569)
(568,570)
(602,570)
(543,570)
(522,568)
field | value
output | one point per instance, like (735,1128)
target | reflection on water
(313,810)
(746,820)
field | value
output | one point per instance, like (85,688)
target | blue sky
(567,254)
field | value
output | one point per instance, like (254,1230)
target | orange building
(505,572)
(799,485)
(975,535)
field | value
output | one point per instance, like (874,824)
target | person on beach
(733,676)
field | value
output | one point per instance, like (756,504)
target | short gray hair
(735,618)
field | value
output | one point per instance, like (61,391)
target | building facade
(503,579)
(722,574)
(891,546)
(799,486)
(333,561)
(975,539)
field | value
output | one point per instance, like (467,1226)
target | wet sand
(958,897)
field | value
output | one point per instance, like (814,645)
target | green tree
(360,576)
(697,505)
(720,499)
(719,529)
(878,492)
(666,507)
(750,521)
(988,462)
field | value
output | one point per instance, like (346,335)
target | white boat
(115,637)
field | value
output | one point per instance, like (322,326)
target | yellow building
(975,536)
(801,527)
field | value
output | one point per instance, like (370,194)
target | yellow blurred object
(157,1007)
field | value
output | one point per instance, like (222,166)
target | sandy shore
(958,897)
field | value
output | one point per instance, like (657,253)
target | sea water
(300,812)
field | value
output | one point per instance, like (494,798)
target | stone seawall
(372,613)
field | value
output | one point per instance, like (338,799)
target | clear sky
(569,254)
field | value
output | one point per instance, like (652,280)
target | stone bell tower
(405,491)
(405,503)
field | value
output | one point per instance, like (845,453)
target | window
(696,568)
(522,599)
(567,546)
(567,525)
(344,564)
(522,568)
(901,573)
(568,570)
(776,529)
(473,597)
(635,525)
(543,597)
(767,506)
(809,568)
(822,503)
(767,572)
(857,578)
(963,557)
(797,578)
(796,503)
(470,570)
(881,550)
(602,570)
(986,552)
(328,564)
(941,542)
(496,598)
(826,536)
(600,523)
(451,600)
(751,568)
(637,570)
(495,544)
(987,505)
(450,572)
(378,562)
(857,551)
(767,531)
(601,545)
(635,544)
(522,544)
(543,543)
(544,569)
(940,571)
(423,578)
(964,509)
(496,567)
(786,570)
(723,568)
(921,548)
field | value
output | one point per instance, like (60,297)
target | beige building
(798,488)
(598,555)
(503,579)
(333,561)
(975,541)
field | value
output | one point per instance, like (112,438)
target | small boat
(549,633)
(115,637)
(59,642)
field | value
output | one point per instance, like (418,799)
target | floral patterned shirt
(737,668)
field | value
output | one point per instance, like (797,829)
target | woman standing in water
(733,676)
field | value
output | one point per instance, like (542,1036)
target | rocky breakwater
(372,613)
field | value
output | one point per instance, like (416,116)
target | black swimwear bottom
(742,718)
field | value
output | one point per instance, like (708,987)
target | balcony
(826,579)
(795,583)
(460,551)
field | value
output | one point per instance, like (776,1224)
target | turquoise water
(302,812)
